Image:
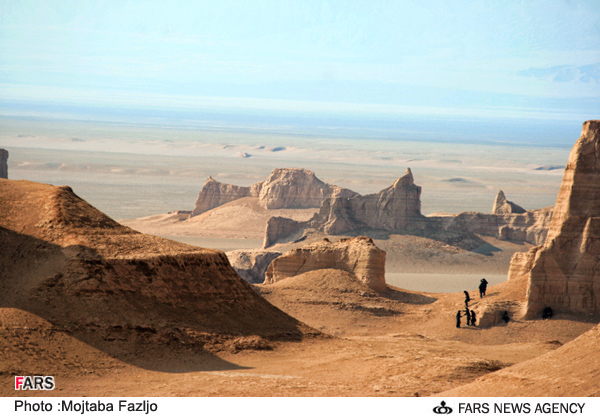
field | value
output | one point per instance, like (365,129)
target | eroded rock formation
(3,164)
(503,206)
(392,209)
(251,265)
(359,256)
(296,188)
(285,188)
(398,209)
(214,194)
(564,273)
(67,262)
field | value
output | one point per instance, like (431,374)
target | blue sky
(513,59)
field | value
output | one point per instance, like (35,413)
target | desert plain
(105,306)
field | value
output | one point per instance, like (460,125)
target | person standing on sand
(467,299)
(468,314)
(473,318)
(482,287)
(458,319)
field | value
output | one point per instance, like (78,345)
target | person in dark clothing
(458,319)
(468,314)
(547,314)
(505,317)
(473,318)
(482,287)
(467,299)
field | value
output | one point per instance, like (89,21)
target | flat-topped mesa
(3,164)
(564,273)
(359,256)
(502,205)
(285,188)
(392,209)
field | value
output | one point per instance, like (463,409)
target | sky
(458,59)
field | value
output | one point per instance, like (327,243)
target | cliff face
(3,164)
(564,272)
(67,262)
(296,188)
(285,188)
(392,209)
(358,256)
(215,193)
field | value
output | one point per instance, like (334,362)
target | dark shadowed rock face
(251,265)
(564,273)
(3,164)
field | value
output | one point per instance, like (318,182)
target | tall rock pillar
(565,272)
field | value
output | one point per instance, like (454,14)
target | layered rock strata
(67,262)
(359,256)
(285,188)
(564,273)
(3,164)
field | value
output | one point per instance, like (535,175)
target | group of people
(469,313)
(472,318)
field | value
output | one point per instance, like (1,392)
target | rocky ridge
(563,273)
(284,188)
(398,209)
(70,264)
(359,256)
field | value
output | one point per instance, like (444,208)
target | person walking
(473,318)
(458,319)
(467,299)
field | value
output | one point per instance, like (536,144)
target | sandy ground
(394,343)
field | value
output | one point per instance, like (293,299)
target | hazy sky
(482,58)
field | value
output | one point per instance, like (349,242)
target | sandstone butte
(359,256)
(67,262)
(284,188)
(3,164)
(564,272)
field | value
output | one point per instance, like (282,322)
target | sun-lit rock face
(285,188)
(359,256)
(565,273)
(296,188)
(392,209)
(502,205)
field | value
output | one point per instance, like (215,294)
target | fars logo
(34,383)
